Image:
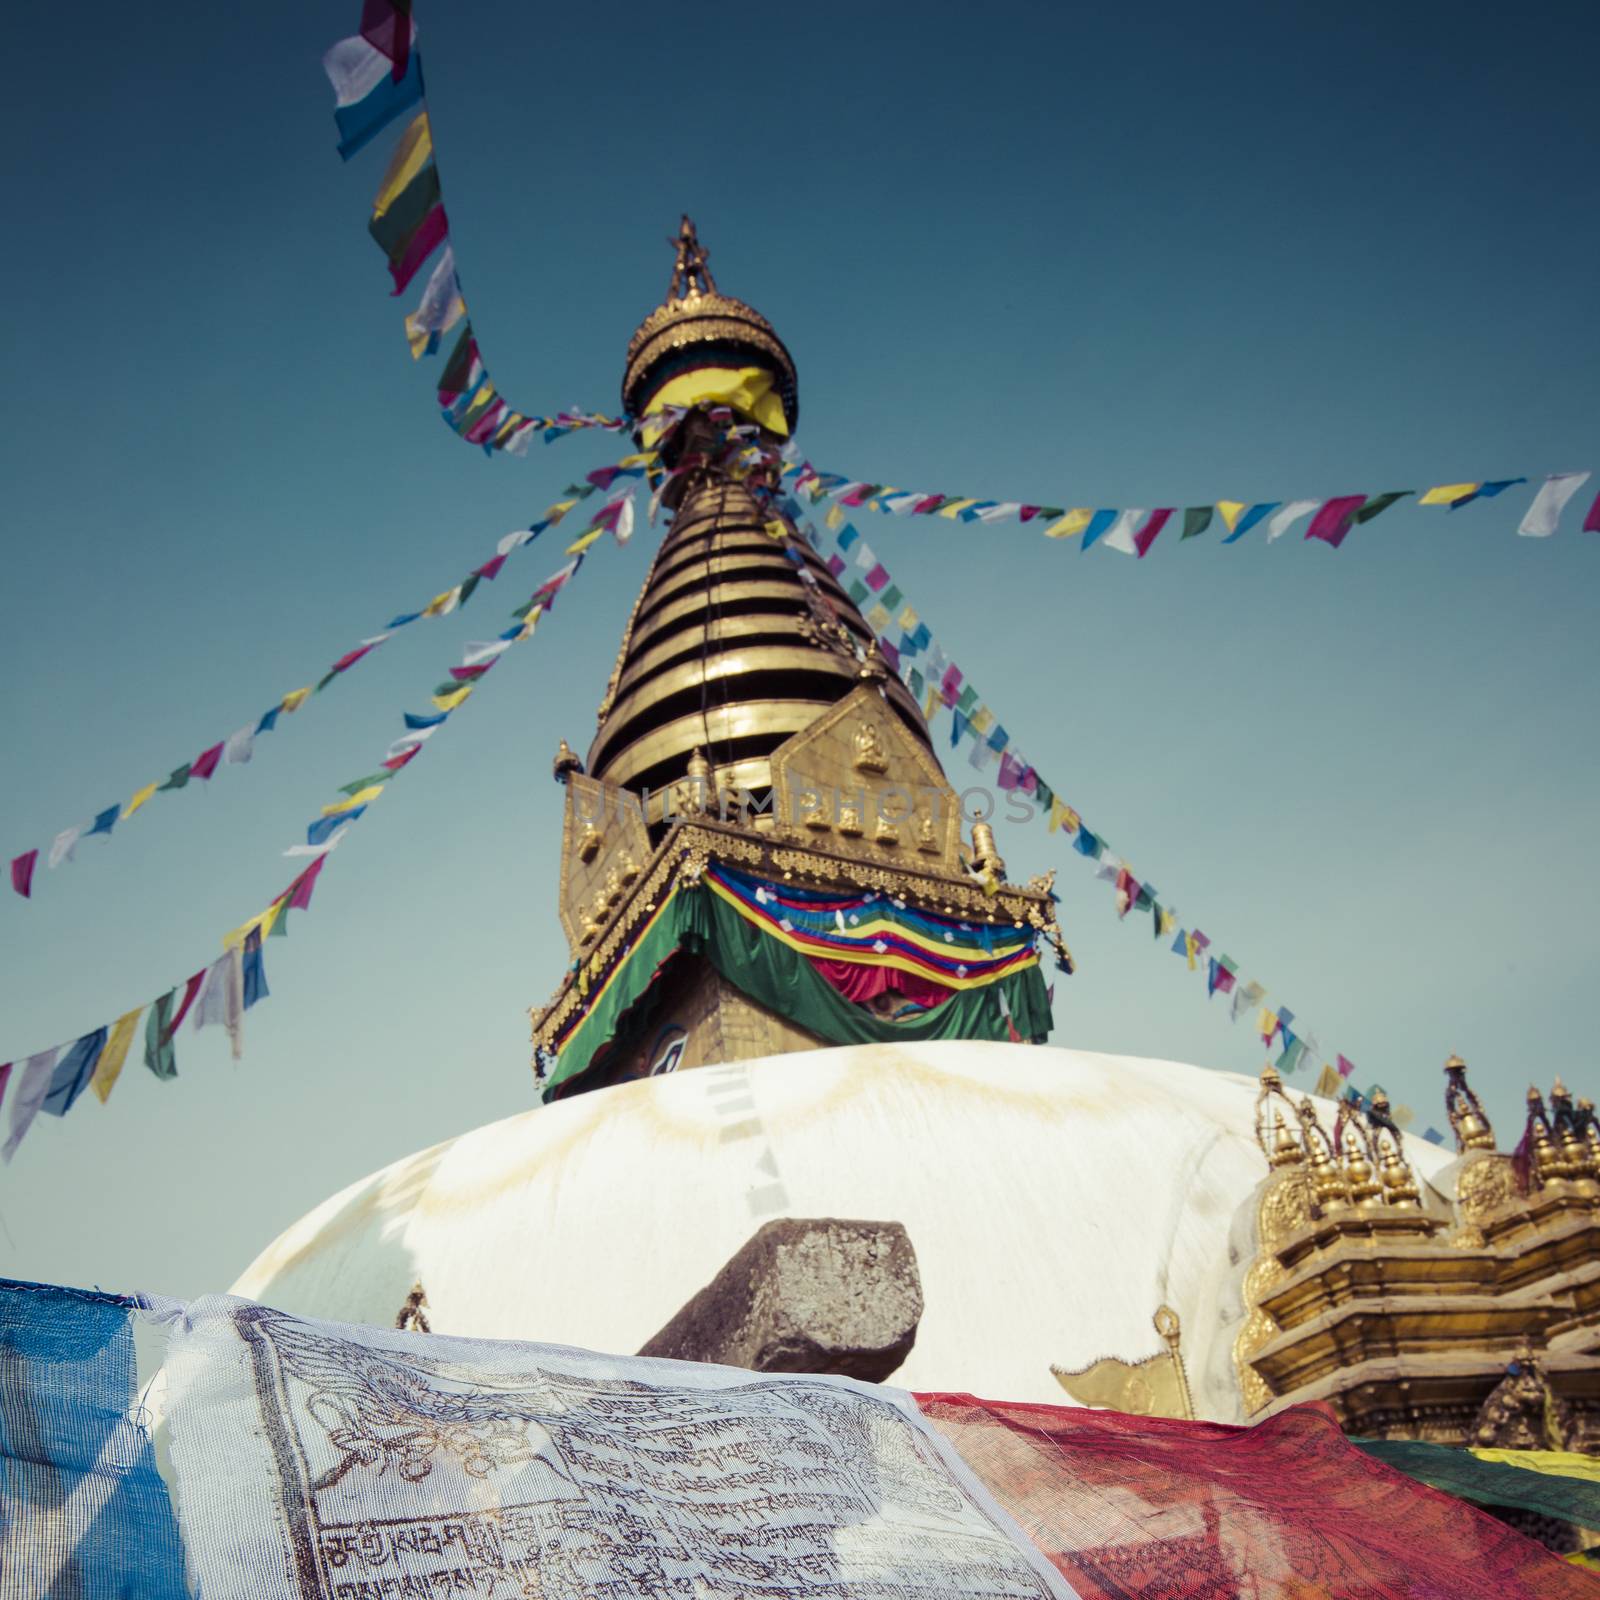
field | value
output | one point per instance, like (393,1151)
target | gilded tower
(761,852)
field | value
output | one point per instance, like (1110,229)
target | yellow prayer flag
(1231,511)
(1329,1084)
(442,604)
(775,530)
(981,720)
(583,541)
(1267,1023)
(955,508)
(139,798)
(1169,920)
(411,155)
(643,459)
(1447,494)
(935,700)
(359,798)
(879,617)
(835,517)
(242,932)
(559,510)
(448,702)
(1189,948)
(1075,521)
(293,700)
(909,620)
(115,1053)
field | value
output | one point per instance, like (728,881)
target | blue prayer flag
(106,820)
(73,1072)
(1098,524)
(359,123)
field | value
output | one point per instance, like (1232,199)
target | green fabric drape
(1489,1483)
(783,980)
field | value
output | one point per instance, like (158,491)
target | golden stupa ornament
(697,321)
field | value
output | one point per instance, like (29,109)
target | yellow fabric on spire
(115,1053)
(1231,511)
(746,389)
(448,702)
(139,798)
(293,700)
(583,541)
(1447,494)
(1075,521)
(359,798)
(411,155)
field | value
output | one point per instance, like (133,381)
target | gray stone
(806,1295)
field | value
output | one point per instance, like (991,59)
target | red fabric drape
(858,983)
(1140,1507)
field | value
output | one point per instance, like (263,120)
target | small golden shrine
(755,756)
(1461,1311)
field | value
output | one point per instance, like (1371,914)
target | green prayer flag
(1196,520)
(858,592)
(158,1051)
(323,682)
(1380,503)
(397,227)
(1051,513)
(467,588)
(454,378)
(179,778)
(280,923)
(969,698)
(357,784)
(1044,794)
(915,680)
(1155,918)
(891,597)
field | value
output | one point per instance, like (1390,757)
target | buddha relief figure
(927,835)
(850,819)
(869,752)
(588,842)
(627,867)
(613,890)
(886,832)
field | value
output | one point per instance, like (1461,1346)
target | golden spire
(690,274)
(1467,1121)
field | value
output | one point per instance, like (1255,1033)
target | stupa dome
(1054,1198)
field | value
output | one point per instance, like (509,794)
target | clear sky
(1084,255)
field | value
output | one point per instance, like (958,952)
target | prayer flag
(1380,503)
(1120,535)
(439,309)
(1346,1067)
(72,1072)
(1544,515)
(1073,522)
(106,820)
(1591,523)
(1245,996)
(292,701)
(205,763)
(362,120)
(63,845)
(254,970)
(158,1052)
(1242,525)
(1486,491)
(269,720)
(1097,525)
(1290,515)
(360,798)
(22,872)
(448,702)
(300,890)
(413,152)
(1333,521)
(1196,519)
(1146,536)
(180,776)
(115,1053)
(415,721)
(191,989)
(137,799)
(28,1097)
(1448,493)
(1231,511)
(320,831)
(240,746)
(431,232)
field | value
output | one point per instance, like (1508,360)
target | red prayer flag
(1333,521)
(350,657)
(22,873)
(205,763)
(386,26)
(300,890)
(1591,523)
(1345,1067)
(5,1078)
(1027,513)
(469,674)
(1127,1505)
(488,424)
(1144,537)
(878,577)
(190,990)
(394,763)
(491,568)
(428,237)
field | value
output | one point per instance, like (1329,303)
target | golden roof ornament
(1276,1136)
(567,762)
(696,318)
(1328,1186)
(1394,1171)
(1467,1120)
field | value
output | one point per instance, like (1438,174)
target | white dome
(1054,1199)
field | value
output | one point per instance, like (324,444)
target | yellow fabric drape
(1558,1463)
(115,1053)
(746,389)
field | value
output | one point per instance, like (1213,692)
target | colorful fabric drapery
(746,941)
(1133,532)
(615,516)
(1500,1477)
(329,1460)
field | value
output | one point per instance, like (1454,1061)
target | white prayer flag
(1290,515)
(1544,515)
(1119,536)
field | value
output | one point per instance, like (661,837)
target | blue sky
(1074,255)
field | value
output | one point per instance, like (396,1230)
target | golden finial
(985,856)
(1399,1184)
(565,763)
(1277,1141)
(1356,1151)
(690,274)
(1467,1120)
(692,797)
(1328,1187)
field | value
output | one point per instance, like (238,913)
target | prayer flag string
(617,481)
(221,992)
(1134,531)
(911,650)
(377,79)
